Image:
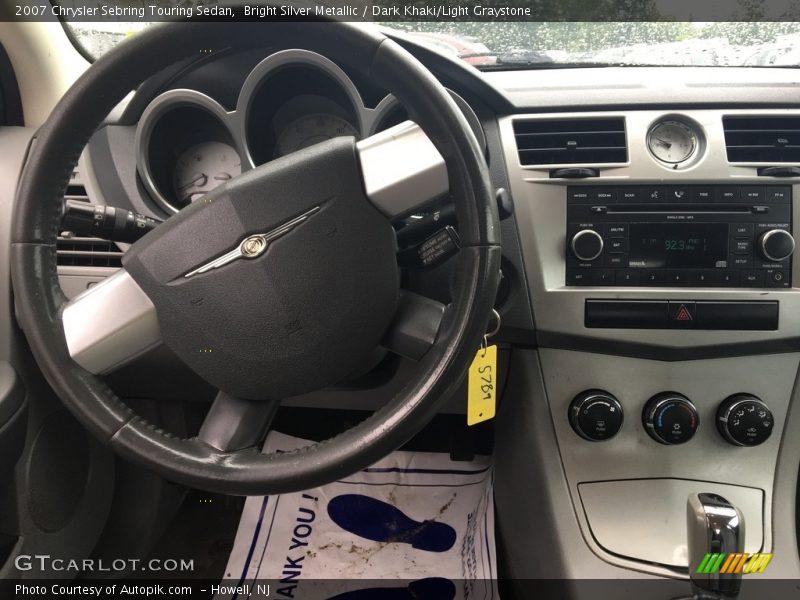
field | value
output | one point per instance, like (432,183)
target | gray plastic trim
(153,114)
(294,57)
(110,324)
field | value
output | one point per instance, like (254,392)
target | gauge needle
(223,177)
(665,143)
(200,180)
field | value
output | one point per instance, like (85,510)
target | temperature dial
(744,420)
(587,244)
(670,418)
(595,415)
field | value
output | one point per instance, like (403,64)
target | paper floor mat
(414,522)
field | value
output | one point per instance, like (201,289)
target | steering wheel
(280,282)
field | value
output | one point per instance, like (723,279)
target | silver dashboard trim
(401,169)
(540,208)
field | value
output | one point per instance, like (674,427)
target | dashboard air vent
(571,141)
(77,251)
(762,139)
(87,252)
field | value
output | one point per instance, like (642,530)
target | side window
(10,103)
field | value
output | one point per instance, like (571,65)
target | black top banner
(398,11)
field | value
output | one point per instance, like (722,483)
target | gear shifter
(714,526)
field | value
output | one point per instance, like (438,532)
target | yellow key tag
(482,386)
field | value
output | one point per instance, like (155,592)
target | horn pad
(294,312)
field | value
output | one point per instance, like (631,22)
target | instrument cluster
(187,143)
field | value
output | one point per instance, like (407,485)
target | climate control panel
(671,418)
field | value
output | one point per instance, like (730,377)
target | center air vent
(762,139)
(571,141)
(77,251)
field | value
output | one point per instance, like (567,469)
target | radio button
(677,278)
(752,278)
(618,245)
(727,194)
(760,210)
(678,194)
(704,278)
(729,278)
(779,194)
(741,262)
(603,195)
(579,195)
(753,193)
(654,194)
(630,195)
(578,277)
(743,229)
(741,245)
(703,194)
(653,278)
(617,229)
(615,260)
(627,277)
(603,277)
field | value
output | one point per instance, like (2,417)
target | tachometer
(203,167)
(311,129)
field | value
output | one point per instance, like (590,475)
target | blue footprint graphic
(381,522)
(432,588)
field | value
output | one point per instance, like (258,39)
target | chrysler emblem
(253,246)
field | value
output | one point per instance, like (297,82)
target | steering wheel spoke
(402,169)
(235,423)
(110,324)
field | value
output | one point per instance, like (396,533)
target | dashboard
(647,264)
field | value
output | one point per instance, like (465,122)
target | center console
(667,337)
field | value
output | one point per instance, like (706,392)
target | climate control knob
(776,245)
(744,420)
(595,415)
(670,418)
(587,244)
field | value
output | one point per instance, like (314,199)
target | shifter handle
(714,526)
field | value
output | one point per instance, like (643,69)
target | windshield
(509,45)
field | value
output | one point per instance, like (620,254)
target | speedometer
(202,168)
(311,129)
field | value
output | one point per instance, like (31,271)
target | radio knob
(744,420)
(776,245)
(587,244)
(670,418)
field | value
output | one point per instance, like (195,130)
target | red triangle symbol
(683,314)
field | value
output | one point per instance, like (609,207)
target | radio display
(678,245)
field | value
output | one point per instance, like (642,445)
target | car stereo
(679,235)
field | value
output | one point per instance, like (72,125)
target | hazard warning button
(682,315)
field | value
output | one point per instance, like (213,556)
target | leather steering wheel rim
(39,299)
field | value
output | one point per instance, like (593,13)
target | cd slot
(671,209)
